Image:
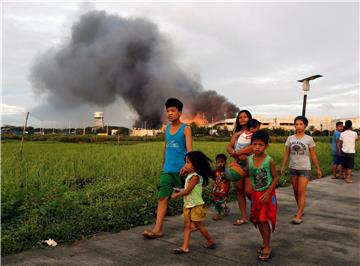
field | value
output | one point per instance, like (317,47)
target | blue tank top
(175,150)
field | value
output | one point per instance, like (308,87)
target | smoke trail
(108,57)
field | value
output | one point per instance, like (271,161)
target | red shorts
(263,212)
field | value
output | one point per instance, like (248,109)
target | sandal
(151,235)
(296,220)
(180,251)
(348,180)
(264,256)
(240,222)
(211,245)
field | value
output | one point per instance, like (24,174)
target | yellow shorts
(196,214)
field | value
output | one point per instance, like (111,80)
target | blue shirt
(175,150)
(335,137)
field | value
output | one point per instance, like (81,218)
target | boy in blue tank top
(178,142)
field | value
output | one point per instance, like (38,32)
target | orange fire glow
(199,119)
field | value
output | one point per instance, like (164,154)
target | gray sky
(252,53)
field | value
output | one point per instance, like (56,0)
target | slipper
(180,251)
(264,256)
(240,222)
(217,217)
(151,235)
(209,245)
(296,220)
(348,180)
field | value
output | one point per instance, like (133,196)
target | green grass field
(65,191)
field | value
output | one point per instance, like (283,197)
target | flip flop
(180,251)
(296,220)
(151,235)
(266,258)
(209,246)
(348,181)
(240,222)
(227,212)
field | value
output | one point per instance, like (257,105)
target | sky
(252,53)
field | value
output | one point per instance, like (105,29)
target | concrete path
(329,235)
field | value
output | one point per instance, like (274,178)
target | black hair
(201,165)
(339,123)
(253,123)
(173,102)
(302,118)
(221,156)
(260,135)
(348,124)
(239,127)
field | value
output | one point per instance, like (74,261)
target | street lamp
(306,88)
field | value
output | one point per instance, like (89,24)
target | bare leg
(303,181)
(265,232)
(187,233)
(294,182)
(240,189)
(204,232)
(160,215)
(334,170)
(248,187)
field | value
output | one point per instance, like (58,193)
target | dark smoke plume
(107,57)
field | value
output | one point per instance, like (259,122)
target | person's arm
(188,138)
(230,147)
(192,183)
(244,151)
(286,157)
(164,152)
(338,145)
(315,160)
(265,197)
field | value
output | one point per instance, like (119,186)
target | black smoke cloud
(107,57)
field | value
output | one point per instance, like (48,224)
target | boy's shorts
(167,183)
(196,214)
(263,212)
(305,173)
(337,159)
(348,160)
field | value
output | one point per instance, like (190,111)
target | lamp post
(306,88)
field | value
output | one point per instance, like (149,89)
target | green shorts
(167,183)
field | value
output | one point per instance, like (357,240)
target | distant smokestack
(107,57)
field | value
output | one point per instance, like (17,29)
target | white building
(141,132)
(318,122)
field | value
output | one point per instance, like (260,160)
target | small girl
(198,171)
(221,188)
(300,147)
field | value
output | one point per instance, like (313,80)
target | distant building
(141,132)
(98,120)
(320,123)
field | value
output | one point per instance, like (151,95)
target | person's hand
(174,195)
(282,171)
(265,197)
(319,173)
(234,154)
(183,171)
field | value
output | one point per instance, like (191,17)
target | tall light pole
(306,88)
